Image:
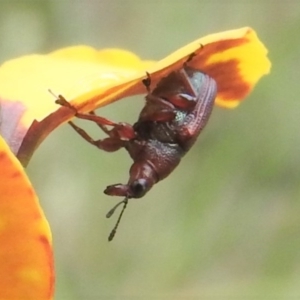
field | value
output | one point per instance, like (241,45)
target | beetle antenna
(110,213)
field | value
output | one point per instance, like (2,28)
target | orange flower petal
(26,253)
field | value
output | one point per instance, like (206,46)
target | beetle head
(142,178)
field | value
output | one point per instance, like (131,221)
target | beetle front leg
(109,144)
(121,130)
(92,117)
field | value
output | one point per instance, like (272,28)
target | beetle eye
(138,188)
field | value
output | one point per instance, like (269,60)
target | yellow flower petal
(88,78)
(73,71)
(70,71)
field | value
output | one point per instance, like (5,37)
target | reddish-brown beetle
(175,113)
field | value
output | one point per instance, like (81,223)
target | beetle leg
(190,58)
(183,101)
(152,99)
(120,130)
(187,83)
(92,117)
(192,55)
(109,144)
(103,127)
(164,114)
(147,82)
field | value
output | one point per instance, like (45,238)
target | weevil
(175,113)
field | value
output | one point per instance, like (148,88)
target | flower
(89,79)
(26,256)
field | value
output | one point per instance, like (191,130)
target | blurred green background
(226,223)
